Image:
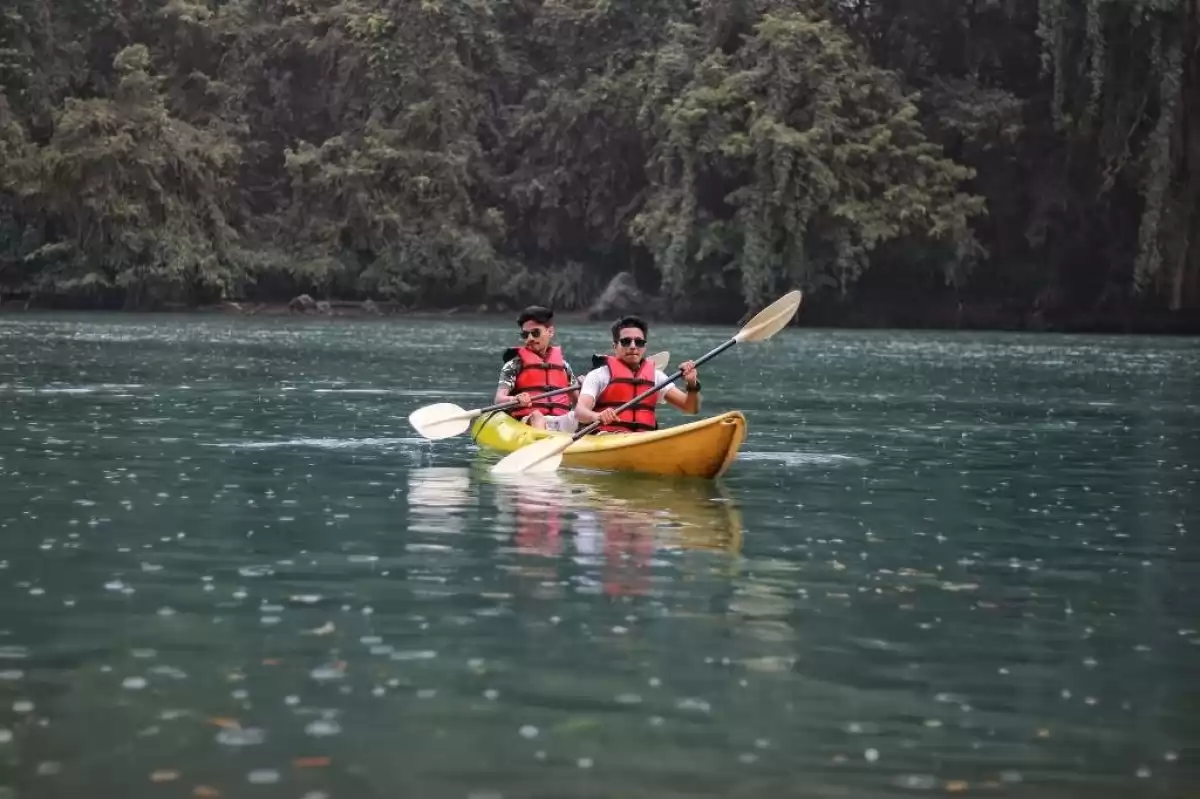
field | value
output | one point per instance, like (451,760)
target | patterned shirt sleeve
(508,373)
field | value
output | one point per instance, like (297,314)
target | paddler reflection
(437,495)
(621,544)
(535,505)
(619,522)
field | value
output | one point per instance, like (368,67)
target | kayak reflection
(438,497)
(618,522)
(537,509)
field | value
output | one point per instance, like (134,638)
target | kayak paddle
(545,455)
(445,419)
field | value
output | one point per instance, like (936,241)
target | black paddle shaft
(678,374)
(512,403)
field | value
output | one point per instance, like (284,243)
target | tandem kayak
(704,448)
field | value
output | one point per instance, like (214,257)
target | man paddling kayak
(626,374)
(536,367)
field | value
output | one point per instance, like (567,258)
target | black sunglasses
(536,333)
(632,342)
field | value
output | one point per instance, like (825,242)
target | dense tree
(787,155)
(1040,157)
(1082,120)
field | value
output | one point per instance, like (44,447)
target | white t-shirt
(597,380)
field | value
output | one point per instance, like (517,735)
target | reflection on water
(533,506)
(615,523)
(674,514)
(228,569)
(437,499)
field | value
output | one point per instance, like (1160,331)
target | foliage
(124,196)
(444,152)
(793,157)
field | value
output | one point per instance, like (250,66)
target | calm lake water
(943,563)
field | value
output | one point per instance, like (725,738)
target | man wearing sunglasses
(537,366)
(625,375)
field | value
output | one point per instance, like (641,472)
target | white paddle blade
(546,466)
(540,456)
(772,319)
(441,420)
(661,360)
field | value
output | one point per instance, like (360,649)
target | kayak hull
(704,448)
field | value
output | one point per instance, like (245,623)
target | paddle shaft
(678,374)
(500,406)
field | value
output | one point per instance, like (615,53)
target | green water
(943,563)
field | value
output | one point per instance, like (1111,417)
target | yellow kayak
(704,448)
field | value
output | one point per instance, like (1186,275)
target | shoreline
(971,319)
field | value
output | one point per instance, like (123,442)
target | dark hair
(536,313)
(629,321)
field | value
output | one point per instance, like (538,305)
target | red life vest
(624,385)
(536,376)
(538,523)
(628,551)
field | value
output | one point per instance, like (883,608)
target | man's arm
(583,409)
(689,401)
(593,384)
(508,380)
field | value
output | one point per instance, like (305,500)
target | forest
(975,163)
